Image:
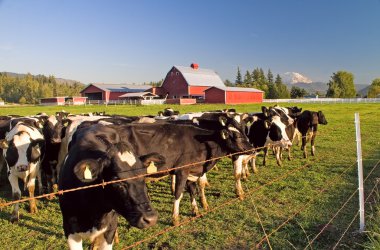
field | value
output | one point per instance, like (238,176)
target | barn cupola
(194,65)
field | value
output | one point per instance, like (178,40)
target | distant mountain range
(59,80)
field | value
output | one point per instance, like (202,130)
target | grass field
(290,207)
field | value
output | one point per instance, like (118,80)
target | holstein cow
(98,154)
(291,128)
(54,130)
(308,123)
(183,144)
(268,128)
(23,150)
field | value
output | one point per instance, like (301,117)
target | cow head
(54,128)
(232,131)
(23,147)
(294,112)
(283,113)
(106,158)
(321,118)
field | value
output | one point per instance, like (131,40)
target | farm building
(188,85)
(188,82)
(106,92)
(75,100)
(233,95)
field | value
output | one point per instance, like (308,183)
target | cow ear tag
(151,168)
(87,173)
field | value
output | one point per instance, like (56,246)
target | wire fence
(267,234)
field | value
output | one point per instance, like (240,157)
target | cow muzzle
(22,168)
(148,219)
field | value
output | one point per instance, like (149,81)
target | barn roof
(138,94)
(200,77)
(237,89)
(120,87)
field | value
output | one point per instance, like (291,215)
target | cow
(98,154)
(308,123)
(23,149)
(291,129)
(183,144)
(54,130)
(265,129)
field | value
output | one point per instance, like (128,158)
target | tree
(341,85)
(238,77)
(282,90)
(297,92)
(228,83)
(374,89)
(270,76)
(247,79)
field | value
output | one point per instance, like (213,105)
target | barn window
(177,73)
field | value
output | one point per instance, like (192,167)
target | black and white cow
(23,151)
(54,130)
(269,128)
(98,154)
(308,124)
(183,144)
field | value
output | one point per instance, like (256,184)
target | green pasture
(290,207)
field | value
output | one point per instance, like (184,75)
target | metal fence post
(360,172)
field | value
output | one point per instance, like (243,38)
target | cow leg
(238,166)
(290,153)
(303,147)
(202,182)
(253,164)
(265,156)
(193,193)
(278,157)
(180,182)
(31,188)
(39,180)
(312,144)
(16,194)
(172,186)
(75,241)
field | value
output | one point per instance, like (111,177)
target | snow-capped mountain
(294,77)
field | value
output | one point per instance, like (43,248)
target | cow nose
(55,140)
(22,168)
(149,219)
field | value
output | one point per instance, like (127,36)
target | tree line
(29,89)
(341,85)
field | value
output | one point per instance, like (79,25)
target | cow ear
(223,120)
(265,111)
(4,144)
(224,133)
(39,124)
(244,116)
(66,122)
(152,162)
(87,170)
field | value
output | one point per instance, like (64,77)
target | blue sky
(139,41)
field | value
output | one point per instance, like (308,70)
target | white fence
(325,100)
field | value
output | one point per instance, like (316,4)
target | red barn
(188,82)
(233,95)
(106,92)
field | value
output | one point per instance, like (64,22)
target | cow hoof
(176,221)
(206,207)
(33,210)
(14,218)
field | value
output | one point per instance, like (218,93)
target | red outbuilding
(233,95)
(105,92)
(188,82)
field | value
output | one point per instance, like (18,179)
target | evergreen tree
(282,90)
(341,85)
(247,79)
(238,77)
(270,76)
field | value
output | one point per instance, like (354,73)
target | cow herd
(64,151)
